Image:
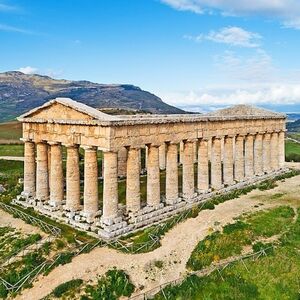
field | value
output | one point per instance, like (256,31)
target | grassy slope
(10,132)
(292,151)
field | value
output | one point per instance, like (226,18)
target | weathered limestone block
(274,151)
(162,156)
(203,173)
(42,176)
(153,176)
(133,197)
(29,169)
(56,176)
(188,170)
(90,199)
(258,160)
(266,153)
(73,179)
(239,161)
(249,156)
(110,187)
(122,162)
(228,160)
(281,149)
(216,168)
(172,174)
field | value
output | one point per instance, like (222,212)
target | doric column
(228,160)
(266,152)
(133,197)
(29,169)
(239,158)
(110,187)
(90,194)
(258,163)
(195,146)
(181,147)
(49,165)
(42,176)
(216,168)
(122,162)
(281,149)
(203,173)
(162,156)
(153,176)
(56,175)
(188,184)
(73,178)
(274,151)
(172,174)
(249,156)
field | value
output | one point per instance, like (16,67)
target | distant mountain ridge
(20,92)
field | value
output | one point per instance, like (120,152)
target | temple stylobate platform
(200,155)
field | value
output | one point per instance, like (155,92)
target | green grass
(66,287)
(275,276)
(230,242)
(112,286)
(292,151)
(12,150)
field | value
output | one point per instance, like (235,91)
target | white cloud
(6,7)
(4,27)
(288,11)
(277,94)
(28,70)
(234,36)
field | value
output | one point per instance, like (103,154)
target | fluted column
(90,194)
(110,187)
(73,178)
(239,158)
(122,162)
(249,156)
(153,176)
(56,175)
(133,197)
(29,169)
(162,156)
(281,149)
(188,184)
(258,160)
(195,146)
(228,160)
(274,151)
(172,174)
(203,173)
(42,176)
(181,147)
(266,153)
(216,171)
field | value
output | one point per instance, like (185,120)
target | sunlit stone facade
(194,156)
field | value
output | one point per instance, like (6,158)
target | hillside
(20,92)
(293,126)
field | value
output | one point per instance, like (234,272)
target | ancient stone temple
(187,159)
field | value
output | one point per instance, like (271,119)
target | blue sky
(195,54)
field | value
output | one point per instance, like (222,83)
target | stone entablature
(237,144)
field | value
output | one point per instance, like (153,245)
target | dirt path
(175,250)
(17,158)
(7,219)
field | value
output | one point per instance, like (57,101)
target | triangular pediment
(245,110)
(66,109)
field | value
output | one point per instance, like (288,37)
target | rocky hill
(21,92)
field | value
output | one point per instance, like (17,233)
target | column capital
(171,143)
(89,148)
(54,143)
(38,141)
(153,145)
(230,136)
(26,140)
(71,145)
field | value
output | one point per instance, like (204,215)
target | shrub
(67,286)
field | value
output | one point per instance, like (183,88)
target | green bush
(67,286)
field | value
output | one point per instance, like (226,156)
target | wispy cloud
(287,11)
(7,8)
(234,36)
(28,70)
(8,28)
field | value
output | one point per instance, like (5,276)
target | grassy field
(292,151)
(10,132)
(274,276)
